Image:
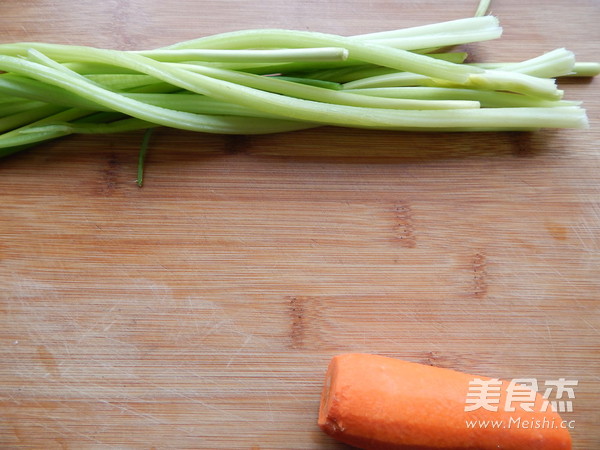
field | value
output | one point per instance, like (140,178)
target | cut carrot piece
(376,402)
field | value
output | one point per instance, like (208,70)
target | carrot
(376,402)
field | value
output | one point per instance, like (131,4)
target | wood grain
(201,311)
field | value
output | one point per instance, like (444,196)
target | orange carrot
(376,402)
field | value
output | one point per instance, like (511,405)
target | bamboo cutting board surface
(201,310)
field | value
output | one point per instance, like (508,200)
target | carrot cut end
(376,402)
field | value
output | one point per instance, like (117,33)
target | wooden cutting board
(201,310)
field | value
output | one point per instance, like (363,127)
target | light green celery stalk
(18,86)
(430,38)
(293,108)
(149,113)
(585,69)
(16,107)
(121,82)
(397,79)
(16,140)
(9,99)
(487,99)
(309,81)
(434,41)
(212,85)
(556,63)
(468,24)
(63,124)
(287,88)
(442,34)
(89,68)
(490,119)
(277,85)
(313,69)
(212,124)
(130,81)
(515,82)
(52,127)
(199,104)
(523,77)
(366,51)
(25,117)
(247,56)
(579,69)
(356,72)
(490,80)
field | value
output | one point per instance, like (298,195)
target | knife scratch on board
(69,430)
(551,341)
(591,326)
(193,311)
(239,350)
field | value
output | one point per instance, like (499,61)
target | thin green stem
(248,56)
(482,8)
(487,99)
(198,104)
(434,41)
(119,82)
(142,157)
(9,109)
(16,139)
(20,86)
(22,118)
(469,24)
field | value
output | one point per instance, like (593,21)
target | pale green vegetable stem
(271,80)
(367,51)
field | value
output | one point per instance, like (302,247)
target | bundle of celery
(268,81)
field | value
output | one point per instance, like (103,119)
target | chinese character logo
(483,394)
(563,387)
(521,394)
